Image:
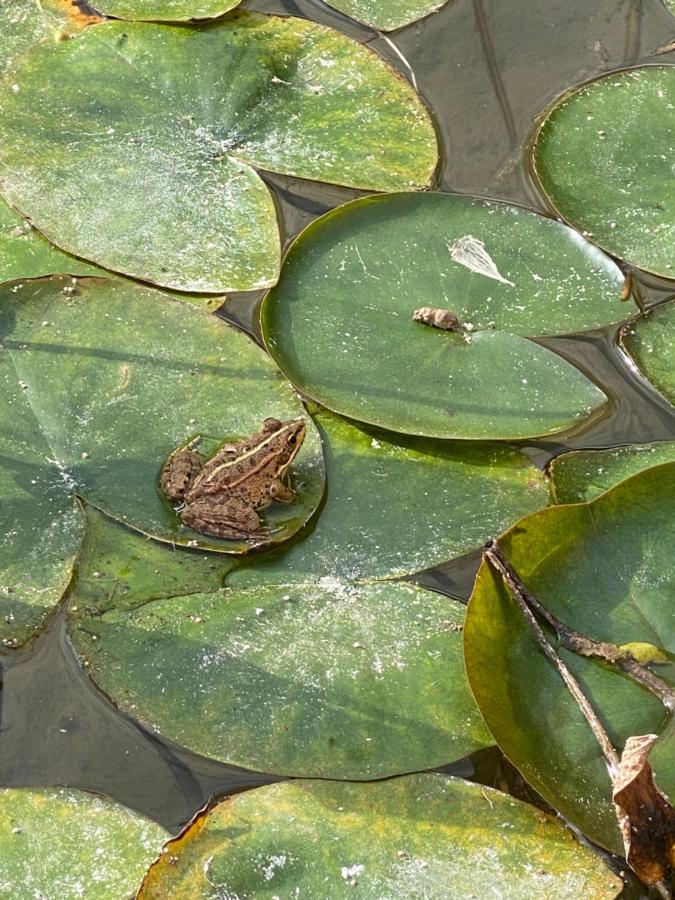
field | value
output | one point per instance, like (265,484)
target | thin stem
(495,74)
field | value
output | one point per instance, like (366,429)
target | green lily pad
(420,836)
(153,176)
(109,382)
(319,679)
(24,253)
(393,509)
(386,15)
(339,323)
(599,172)
(165,10)
(585,474)
(651,343)
(70,844)
(24,23)
(604,568)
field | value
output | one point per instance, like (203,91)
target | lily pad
(109,382)
(165,10)
(318,679)
(394,509)
(420,836)
(585,474)
(69,844)
(24,23)
(24,253)
(604,568)
(599,172)
(651,343)
(153,176)
(340,321)
(386,15)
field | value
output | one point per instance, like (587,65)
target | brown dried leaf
(646,817)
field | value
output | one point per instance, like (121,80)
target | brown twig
(584,646)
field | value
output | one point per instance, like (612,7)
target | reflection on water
(486,68)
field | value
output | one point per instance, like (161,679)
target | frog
(221,496)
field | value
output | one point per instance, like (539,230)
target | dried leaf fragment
(646,817)
(437,318)
(469,251)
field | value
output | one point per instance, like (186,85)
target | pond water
(487,68)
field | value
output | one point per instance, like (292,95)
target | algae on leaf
(154,174)
(420,836)
(387,15)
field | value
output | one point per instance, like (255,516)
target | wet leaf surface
(592,160)
(604,568)
(394,509)
(66,843)
(108,379)
(340,322)
(322,679)
(386,15)
(165,10)
(421,836)
(585,474)
(651,343)
(153,176)
(24,23)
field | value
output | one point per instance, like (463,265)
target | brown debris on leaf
(646,817)
(437,318)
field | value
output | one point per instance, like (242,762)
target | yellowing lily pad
(651,343)
(604,568)
(102,380)
(340,322)
(153,175)
(24,23)
(68,844)
(387,15)
(420,836)
(165,10)
(601,173)
(323,678)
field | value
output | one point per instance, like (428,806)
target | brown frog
(221,496)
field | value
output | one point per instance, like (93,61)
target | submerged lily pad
(340,321)
(421,836)
(109,381)
(153,176)
(599,172)
(319,679)
(604,568)
(66,843)
(585,474)
(386,15)
(393,509)
(651,343)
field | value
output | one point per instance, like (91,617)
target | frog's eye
(292,440)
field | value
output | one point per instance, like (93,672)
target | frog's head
(286,439)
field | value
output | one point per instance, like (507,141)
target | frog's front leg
(222,516)
(179,471)
(280,491)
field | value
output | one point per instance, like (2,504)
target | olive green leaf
(100,384)
(651,343)
(419,836)
(322,679)
(153,177)
(68,844)
(386,15)
(584,474)
(604,568)
(603,176)
(165,10)
(340,321)
(24,253)
(24,23)
(393,509)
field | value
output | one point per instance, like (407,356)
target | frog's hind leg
(230,517)
(179,472)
